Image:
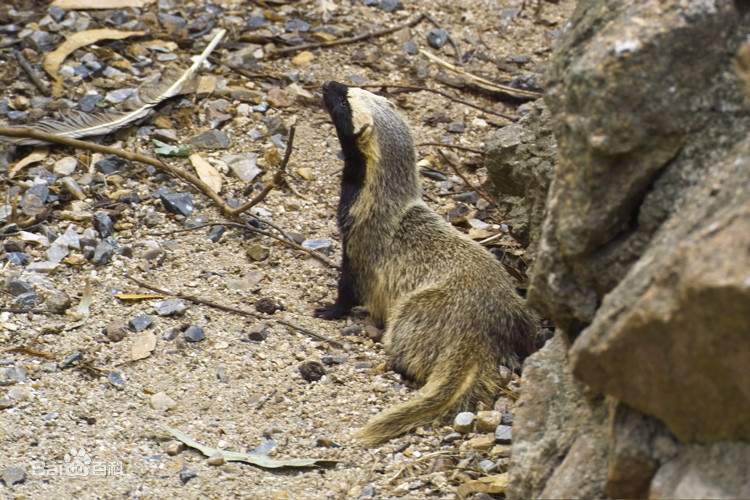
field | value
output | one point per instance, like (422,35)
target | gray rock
(464,422)
(246,169)
(17,374)
(57,251)
(173,24)
(258,334)
(319,245)
(103,224)
(18,258)
(116,381)
(520,159)
(504,434)
(58,301)
(26,300)
(13,475)
(178,203)
(391,5)
(264,448)
(140,323)
(456,127)
(552,413)
(266,306)
(70,360)
(170,307)
(109,164)
(194,334)
(103,252)
(120,95)
(410,48)
(437,38)
(116,330)
(210,139)
(65,166)
(57,13)
(352,330)
(89,102)
(186,475)
(488,466)
(18,287)
(312,371)
(215,233)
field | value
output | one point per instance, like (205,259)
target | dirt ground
(228,391)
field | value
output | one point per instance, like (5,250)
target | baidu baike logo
(77,463)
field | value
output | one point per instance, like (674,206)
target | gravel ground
(230,391)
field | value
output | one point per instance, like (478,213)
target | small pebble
(18,287)
(456,127)
(116,380)
(487,421)
(13,475)
(411,48)
(258,334)
(488,466)
(374,332)
(116,330)
(186,475)
(103,253)
(178,203)
(65,166)
(103,224)
(264,448)
(312,371)
(173,448)
(170,307)
(140,323)
(58,301)
(503,434)
(194,334)
(391,5)
(319,245)
(73,358)
(481,442)
(25,300)
(161,401)
(352,330)
(20,393)
(507,419)
(215,233)
(464,422)
(216,459)
(437,38)
(258,252)
(266,306)
(452,437)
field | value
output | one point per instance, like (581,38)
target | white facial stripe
(362,102)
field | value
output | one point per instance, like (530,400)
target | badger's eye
(344,102)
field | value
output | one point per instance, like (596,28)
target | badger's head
(365,123)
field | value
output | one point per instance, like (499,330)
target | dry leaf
(138,296)
(37,155)
(143,345)
(206,172)
(99,4)
(75,41)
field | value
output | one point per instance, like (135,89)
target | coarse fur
(450,312)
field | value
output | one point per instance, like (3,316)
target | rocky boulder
(643,263)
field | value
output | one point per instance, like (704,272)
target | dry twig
(353,39)
(244,312)
(419,88)
(452,146)
(33,76)
(466,180)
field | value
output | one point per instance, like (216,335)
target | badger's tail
(452,382)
